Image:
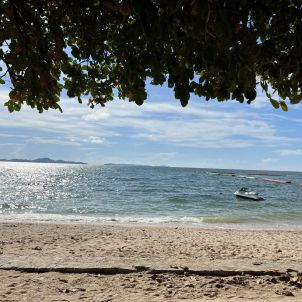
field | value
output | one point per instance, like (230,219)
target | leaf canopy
(217,49)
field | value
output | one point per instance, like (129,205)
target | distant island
(45,160)
(136,165)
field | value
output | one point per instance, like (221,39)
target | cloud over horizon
(162,126)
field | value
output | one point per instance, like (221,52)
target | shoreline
(57,219)
(172,225)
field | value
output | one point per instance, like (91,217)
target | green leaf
(251,94)
(17,107)
(264,86)
(296,99)
(275,103)
(139,102)
(184,102)
(284,106)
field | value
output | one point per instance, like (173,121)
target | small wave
(58,218)
(5,206)
(177,199)
(226,219)
(286,216)
(212,222)
(12,206)
(125,179)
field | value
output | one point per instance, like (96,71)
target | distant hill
(43,160)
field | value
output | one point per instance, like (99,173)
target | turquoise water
(138,194)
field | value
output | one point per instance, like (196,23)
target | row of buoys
(278,181)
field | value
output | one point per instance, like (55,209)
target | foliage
(214,48)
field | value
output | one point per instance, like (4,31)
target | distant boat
(211,173)
(244,176)
(245,193)
(277,181)
(228,174)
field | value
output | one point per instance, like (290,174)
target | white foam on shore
(35,217)
(164,220)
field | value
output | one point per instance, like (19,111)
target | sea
(124,194)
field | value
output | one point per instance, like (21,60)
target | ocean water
(35,192)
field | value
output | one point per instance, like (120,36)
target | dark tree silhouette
(216,49)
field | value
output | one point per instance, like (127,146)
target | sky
(205,134)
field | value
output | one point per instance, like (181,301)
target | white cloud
(95,140)
(65,129)
(290,152)
(10,144)
(97,115)
(261,102)
(194,126)
(191,126)
(52,141)
(167,123)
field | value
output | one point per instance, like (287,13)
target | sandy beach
(50,262)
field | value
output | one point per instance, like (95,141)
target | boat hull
(277,181)
(250,197)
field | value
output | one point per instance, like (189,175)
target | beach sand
(49,262)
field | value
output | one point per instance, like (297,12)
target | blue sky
(160,132)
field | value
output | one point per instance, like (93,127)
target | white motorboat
(245,193)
